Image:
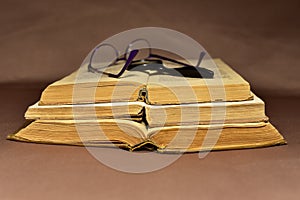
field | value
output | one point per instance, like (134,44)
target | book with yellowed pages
(140,86)
(151,115)
(132,135)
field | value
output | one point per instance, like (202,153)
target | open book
(132,135)
(141,86)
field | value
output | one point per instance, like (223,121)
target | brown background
(41,41)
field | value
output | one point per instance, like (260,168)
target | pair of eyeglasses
(105,59)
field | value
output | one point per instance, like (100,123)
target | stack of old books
(135,111)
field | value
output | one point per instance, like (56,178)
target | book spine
(143,95)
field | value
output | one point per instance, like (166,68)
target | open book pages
(157,115)
(206,113)
(133,135)
(119,110)
(147,85)
(85,87)
(227,85)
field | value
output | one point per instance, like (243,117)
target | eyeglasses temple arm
(204,72)
(166,58)
(129,60)
(202,54)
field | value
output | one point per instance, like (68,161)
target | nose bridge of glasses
(138,44)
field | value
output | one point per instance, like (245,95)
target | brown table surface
(37,171)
